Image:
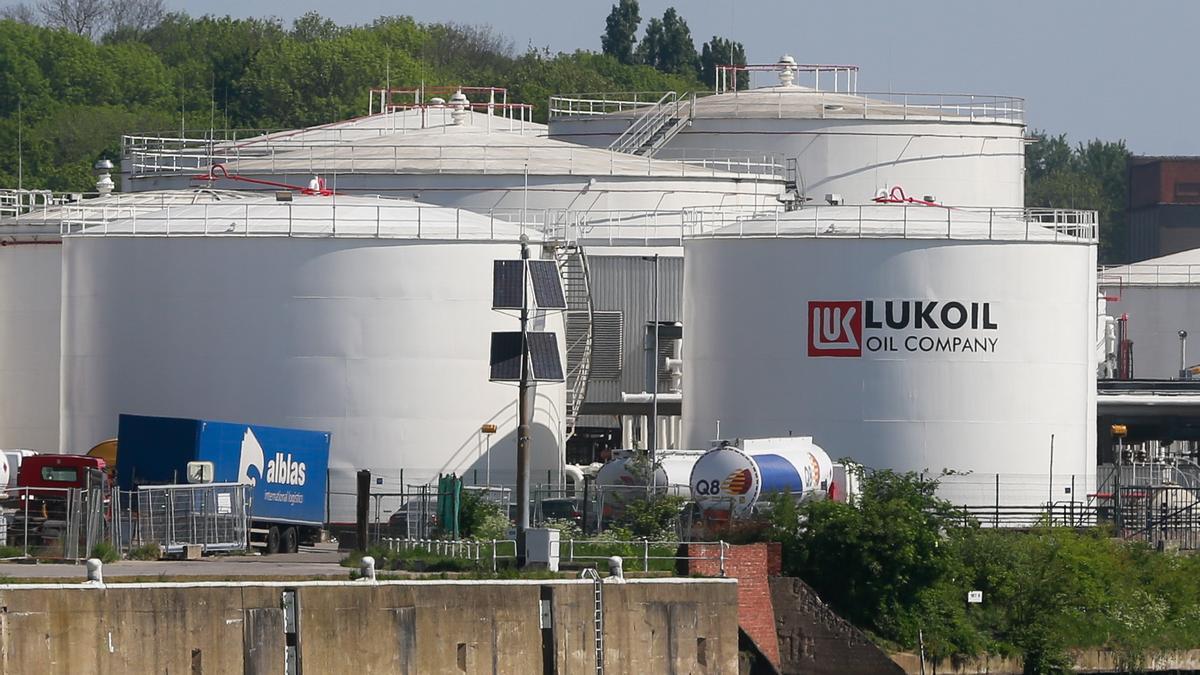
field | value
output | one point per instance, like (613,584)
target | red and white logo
(835,328)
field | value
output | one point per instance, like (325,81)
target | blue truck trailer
(285,467)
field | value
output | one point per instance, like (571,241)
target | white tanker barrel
(729,478)
(620,480)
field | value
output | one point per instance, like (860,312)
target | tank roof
(418,141)
(388,123)
(313,216)
(50,212)
(901,221)
(798,102)
(1175,269)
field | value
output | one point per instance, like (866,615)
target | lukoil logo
(836,328)
(281,469)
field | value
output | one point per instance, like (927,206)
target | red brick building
(1164,206)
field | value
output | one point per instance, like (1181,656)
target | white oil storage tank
(833,137)
(737,477)
(369,318)
(31,223)
(462,158)
(914,338)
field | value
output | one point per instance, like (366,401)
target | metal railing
(653,120)
(477,550)
(302,157)
(783,102)
(22,202)
(1150,274)
(644,551)
(843,78)
(900,221)
(602,103)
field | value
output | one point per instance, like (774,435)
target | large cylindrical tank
(30,268)
(910,338)
(463,166)
(961,149)
(736,479)
(351,324)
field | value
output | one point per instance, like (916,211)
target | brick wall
(750,564)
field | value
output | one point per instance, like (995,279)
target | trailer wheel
(273,540)
(291,541)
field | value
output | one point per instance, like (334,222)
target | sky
(1088,68)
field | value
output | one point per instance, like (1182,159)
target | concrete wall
(814,640)
(660,626)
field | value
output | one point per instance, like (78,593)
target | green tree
(668,45)
(620,31)
(722,52)
(1089,176)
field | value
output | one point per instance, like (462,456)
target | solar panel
(508,284)
(543,353)
(505,357)
(547,287)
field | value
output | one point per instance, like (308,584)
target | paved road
(317,561)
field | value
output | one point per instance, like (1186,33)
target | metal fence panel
(214,516)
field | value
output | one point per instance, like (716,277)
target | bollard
(95,571)
(367,569)
(616,569)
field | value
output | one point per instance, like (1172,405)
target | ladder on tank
(655,127)
(598,617)
(579,320)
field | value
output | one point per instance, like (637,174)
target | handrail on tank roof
(142,158)
(1149,274)
(899,221)
(774,102)
(386,218)
(840,74)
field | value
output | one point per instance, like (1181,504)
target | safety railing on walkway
(357,157)
(901,221)
(781,102)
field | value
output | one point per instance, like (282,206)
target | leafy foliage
(902,561)
(722,52)
(668,45)
(620,31)
(479,518)
(652,517)
(1091,175)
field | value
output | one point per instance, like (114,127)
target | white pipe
(574,474)
(646,397)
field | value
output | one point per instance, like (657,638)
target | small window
(60,474)
(1187,192)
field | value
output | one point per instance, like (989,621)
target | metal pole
(524,413)
(1050,504)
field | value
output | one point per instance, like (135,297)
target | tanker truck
(735,477)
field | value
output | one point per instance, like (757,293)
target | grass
(150,551)
(106,552)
